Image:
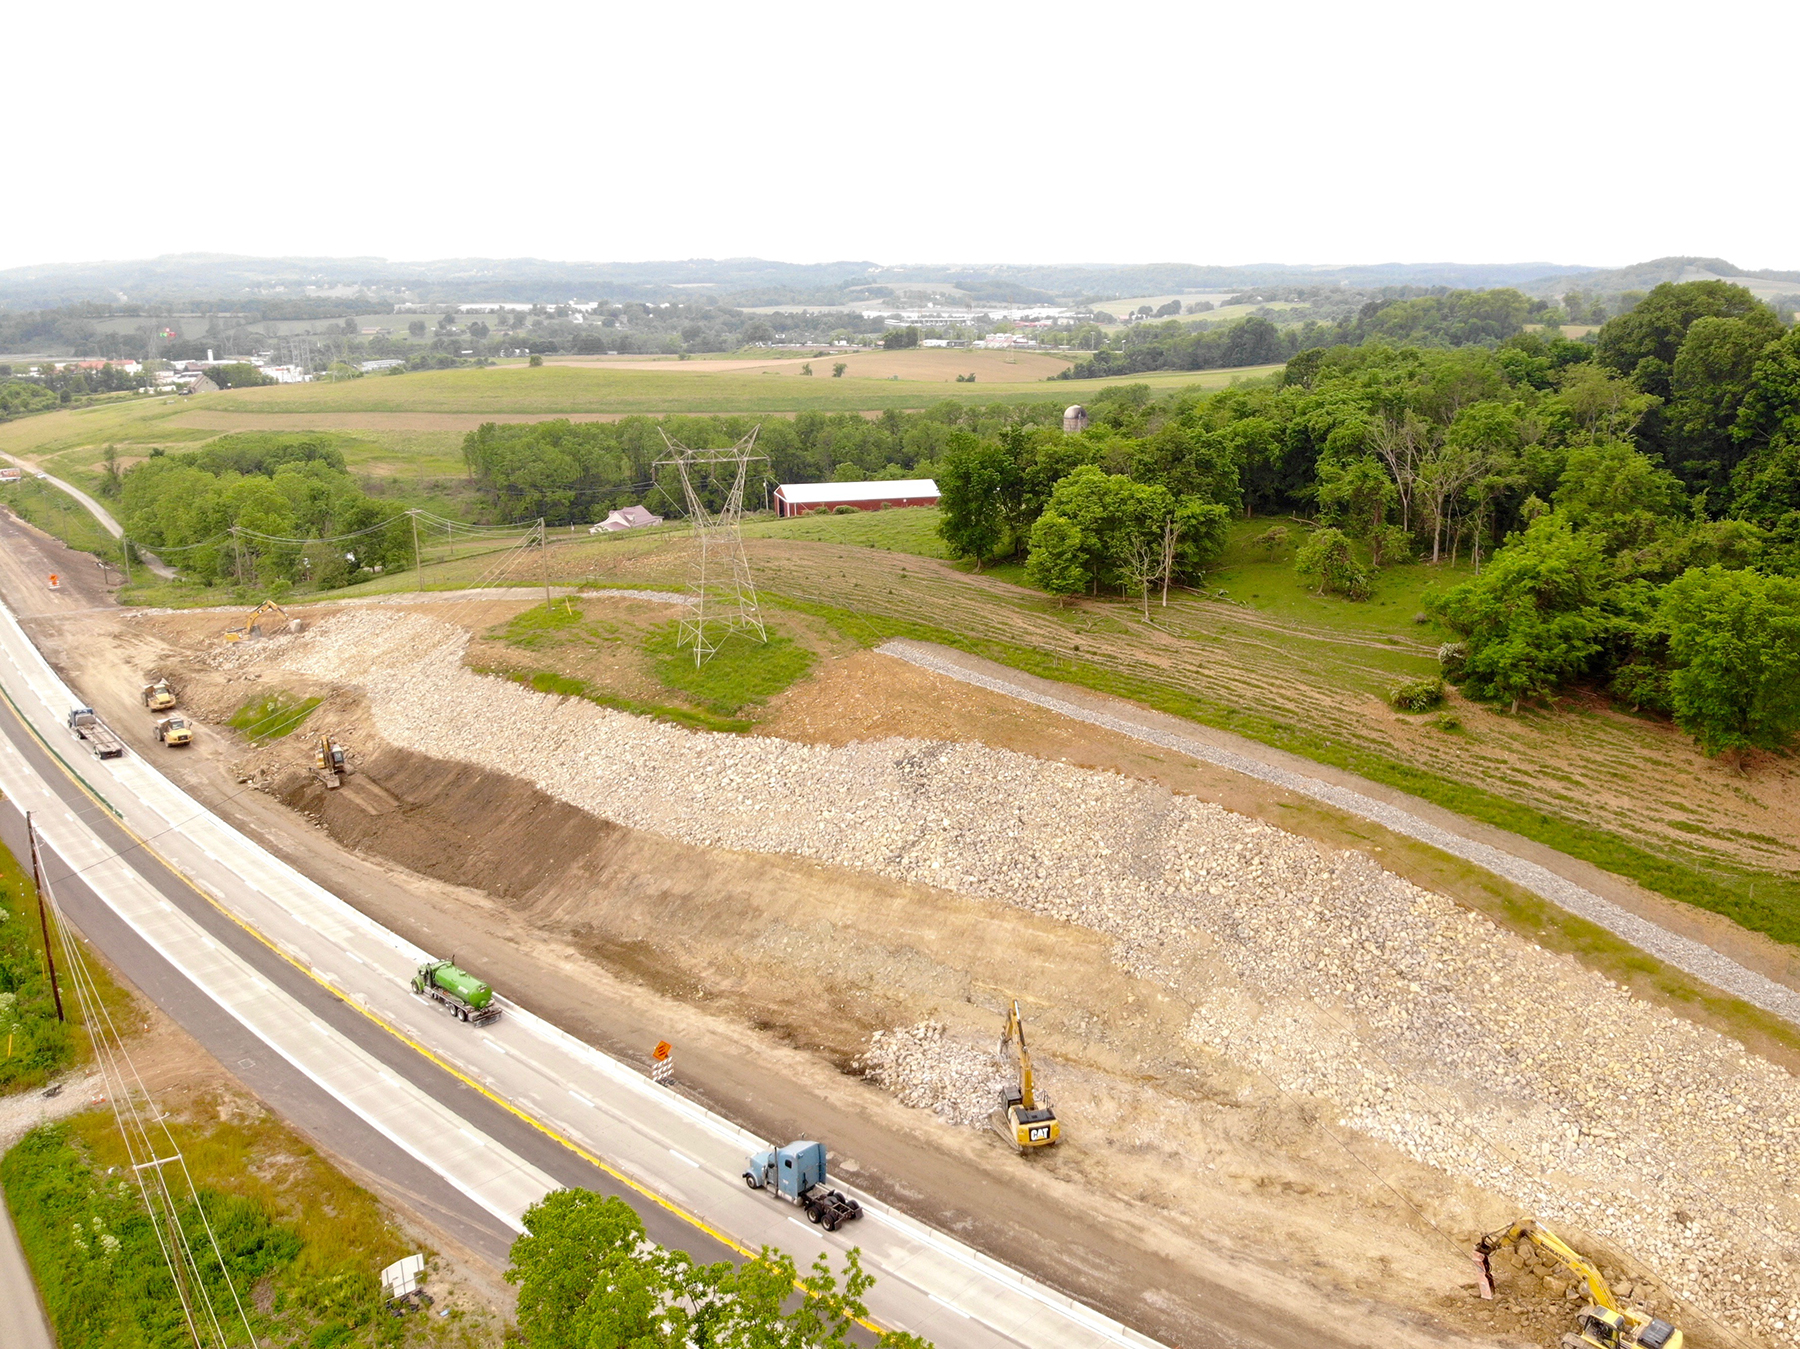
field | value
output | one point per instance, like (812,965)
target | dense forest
(259,508)
(1632,503)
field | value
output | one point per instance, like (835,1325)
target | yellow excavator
(1023,1119)
(330,763)
(1603,1323)
(265,619)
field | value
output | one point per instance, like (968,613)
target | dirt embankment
(1202,1088)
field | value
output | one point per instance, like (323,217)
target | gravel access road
(1693,957)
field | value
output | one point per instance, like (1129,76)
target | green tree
(974,478)
(1533,620)
(1645,343)
(589,1278)
(1329,561)
(1618,492)
(1734,651)
(1711,379)
(1358,497)
(1058,563)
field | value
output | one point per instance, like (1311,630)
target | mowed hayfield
(924,365)
(413,425)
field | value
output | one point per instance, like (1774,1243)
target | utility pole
(413,515)
(37,883)
(544,548)
(125,553)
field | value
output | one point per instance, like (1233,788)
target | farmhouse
(802,498)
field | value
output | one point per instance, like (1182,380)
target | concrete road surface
(22,1323)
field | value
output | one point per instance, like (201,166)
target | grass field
(628,658)
(410,428)
(56,512)
(303,1244)
(34,1045)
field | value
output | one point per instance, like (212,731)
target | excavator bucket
(1484,1275)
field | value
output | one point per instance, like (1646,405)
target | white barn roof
(811,493)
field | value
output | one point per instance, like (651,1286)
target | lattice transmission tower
(723,595)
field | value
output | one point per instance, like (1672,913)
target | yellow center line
(431,1056)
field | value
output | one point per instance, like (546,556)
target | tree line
(1449,318)
(575,472)
(282,486)
(1631,502)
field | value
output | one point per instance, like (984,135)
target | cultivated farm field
(413,425)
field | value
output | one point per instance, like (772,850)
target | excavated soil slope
(1208,987)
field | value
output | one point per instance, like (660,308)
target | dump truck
(173,731)
(92,733)
(796,1173)
(159,697)
(465,996)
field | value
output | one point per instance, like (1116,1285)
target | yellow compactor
(1024,1119)
(1603,1323)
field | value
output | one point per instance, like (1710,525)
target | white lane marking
(689,1160)
(493,1045)
(951,1305)
(584,1100)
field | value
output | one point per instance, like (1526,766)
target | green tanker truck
(466,996)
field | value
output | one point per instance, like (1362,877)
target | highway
(307,1000)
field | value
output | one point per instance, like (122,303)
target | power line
(132,1106)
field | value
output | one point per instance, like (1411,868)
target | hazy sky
(927,132)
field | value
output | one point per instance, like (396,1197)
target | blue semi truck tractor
(796,1173)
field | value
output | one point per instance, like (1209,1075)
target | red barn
(802,498)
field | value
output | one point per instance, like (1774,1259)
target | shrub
(534,359)
(1328,561)
(1447,721)
(1272,540)
(1644,687)
(1417,695)
(843,510)
(1453,656)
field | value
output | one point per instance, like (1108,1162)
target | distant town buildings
(803,498)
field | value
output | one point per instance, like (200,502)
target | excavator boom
(1552,1245)
(1022,1120)
(1603,1324)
